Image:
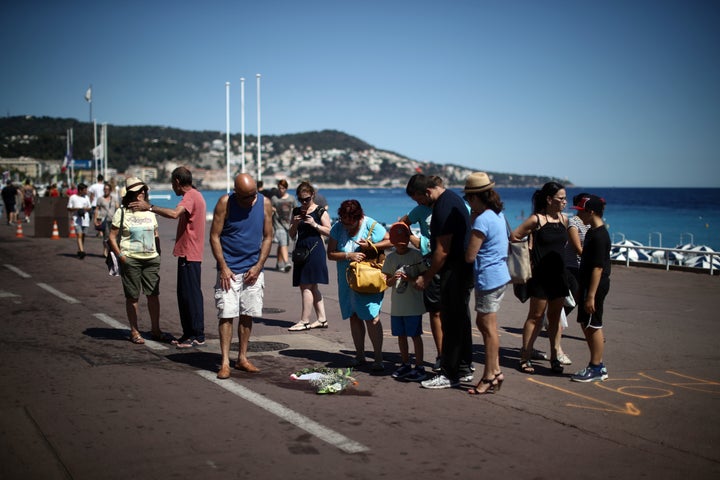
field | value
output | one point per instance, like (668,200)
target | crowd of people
(461,244)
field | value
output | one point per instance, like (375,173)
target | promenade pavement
(78,400)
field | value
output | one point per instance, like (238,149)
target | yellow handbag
(367,276)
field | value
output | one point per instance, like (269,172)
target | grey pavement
(78,400)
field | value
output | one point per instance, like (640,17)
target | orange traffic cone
(18,232)
(72,230)
(55,232)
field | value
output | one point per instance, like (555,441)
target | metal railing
(667,260)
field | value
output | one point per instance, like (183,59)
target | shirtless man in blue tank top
(240,237)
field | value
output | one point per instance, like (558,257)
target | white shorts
(240,299)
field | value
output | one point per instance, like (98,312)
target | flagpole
(259,159)
(67,156)
(227,132)
(95,155)
(242,123)
(72,161)
(104,149)
(90,101)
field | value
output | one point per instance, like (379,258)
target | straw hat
(478,182)
(134,184)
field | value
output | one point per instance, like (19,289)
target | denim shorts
(282,237)
(488,301)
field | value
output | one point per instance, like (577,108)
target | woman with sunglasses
(548,286)
(350,241)
(309,224)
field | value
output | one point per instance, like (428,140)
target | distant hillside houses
(35,147)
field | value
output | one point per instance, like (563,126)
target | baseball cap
(590,203)
(399,233)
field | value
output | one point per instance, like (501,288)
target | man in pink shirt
(189,247)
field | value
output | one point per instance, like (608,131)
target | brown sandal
(137,339)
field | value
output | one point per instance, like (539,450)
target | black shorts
(431,295)
(596,319)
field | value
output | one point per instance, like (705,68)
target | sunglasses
(247,197)
(305,200)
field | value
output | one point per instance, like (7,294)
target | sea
(656,217)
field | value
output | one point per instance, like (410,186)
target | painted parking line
(108,320)
(325,434)
(58,293)
(17,271)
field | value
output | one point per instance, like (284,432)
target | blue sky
(605,93)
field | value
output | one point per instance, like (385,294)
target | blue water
(663,217)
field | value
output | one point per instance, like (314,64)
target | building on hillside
(26,166)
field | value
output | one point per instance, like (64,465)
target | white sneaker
(564,359)
(467,378)
(439,381)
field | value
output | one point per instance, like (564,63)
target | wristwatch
(151,207)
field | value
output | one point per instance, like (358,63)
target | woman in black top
(548,286)
(309,223)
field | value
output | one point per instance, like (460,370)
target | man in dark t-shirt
(594,285)
(9,196)
(449,234)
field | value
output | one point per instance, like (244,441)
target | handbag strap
(369,240)
(369,235)
(528,239)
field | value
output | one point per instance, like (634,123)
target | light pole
(242,124)
(227,133)
(259,147)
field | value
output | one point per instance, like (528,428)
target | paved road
(80,401)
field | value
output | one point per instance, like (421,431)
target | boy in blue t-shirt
(401,266)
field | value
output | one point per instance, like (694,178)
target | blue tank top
(242,234)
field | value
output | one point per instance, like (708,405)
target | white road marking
(4,294)
(18,271)
(323,433)
(120,326)
(58,293)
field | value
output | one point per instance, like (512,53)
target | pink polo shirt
(190,238)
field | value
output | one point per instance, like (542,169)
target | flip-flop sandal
(137,339)
(299,327)
(318,324)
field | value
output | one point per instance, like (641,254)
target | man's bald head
(244,183)
(245,188)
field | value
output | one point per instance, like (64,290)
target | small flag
(88,94)
(65,163)
(98,151)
